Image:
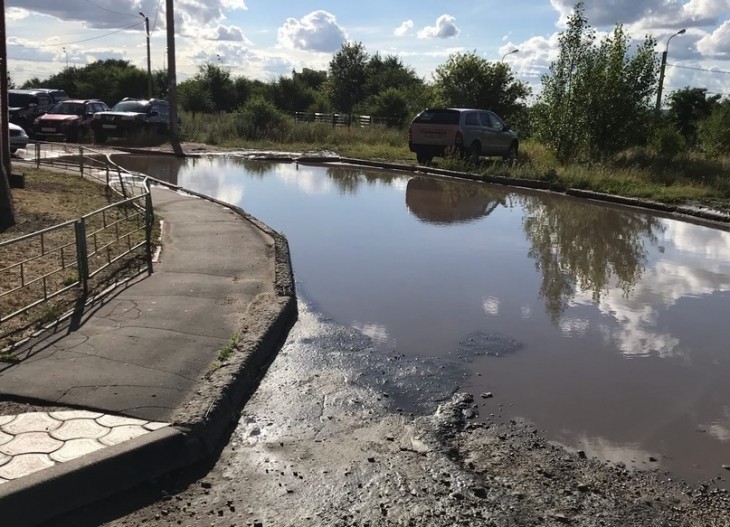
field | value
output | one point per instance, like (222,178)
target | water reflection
(562,291)
(441,202)
(165,168)
(579,248)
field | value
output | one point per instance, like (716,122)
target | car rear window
(131,106)
(21,99)
(438,117)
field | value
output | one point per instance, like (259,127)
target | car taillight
(459,139)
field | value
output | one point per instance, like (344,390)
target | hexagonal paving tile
(26,464)
(116,420)
(120,434)
(65,415)
(5,438)
(155,426)
(5,419)
(79,428)
(31,443)
(76,448)
(31,422)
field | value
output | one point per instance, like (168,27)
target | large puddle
(606,327)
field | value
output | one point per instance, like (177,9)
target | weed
(9,358)
(226,351)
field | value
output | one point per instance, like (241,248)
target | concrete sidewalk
(142,369)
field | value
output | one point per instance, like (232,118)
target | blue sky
(264,39)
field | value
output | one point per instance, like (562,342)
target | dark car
(24,106)
(131,117)
(69,120)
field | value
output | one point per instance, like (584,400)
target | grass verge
(51,198)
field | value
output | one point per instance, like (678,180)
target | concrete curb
(198,428)
(48,493)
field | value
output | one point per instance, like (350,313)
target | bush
(715,130)
(667,141)
(259,119)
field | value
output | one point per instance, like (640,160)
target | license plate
(109,126)
(46,129)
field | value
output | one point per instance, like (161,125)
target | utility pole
(7,211)
(149,63)
(661,71)
(172,78)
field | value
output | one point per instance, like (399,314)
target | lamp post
(149,64)
(509,53)
(66,52)
(661,71)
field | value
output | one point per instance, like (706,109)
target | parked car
(68,120)
(130,117)
(18,137)
(466,131)
(25,106)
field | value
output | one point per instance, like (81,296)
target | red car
(69,120)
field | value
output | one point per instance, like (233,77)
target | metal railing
(46,264)
(343,119)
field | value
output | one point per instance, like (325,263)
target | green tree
(219,84)
(194,96)
(689,106)
(109,80)
(393,105)
(469,81)
(312,78)
(596,98)
(292,94)
(346,77)
(714,131)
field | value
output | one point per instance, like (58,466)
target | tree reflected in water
(585,247)
(348,180)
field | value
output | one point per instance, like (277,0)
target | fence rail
(344,119)
(68,257)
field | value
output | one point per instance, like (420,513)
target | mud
(321,443)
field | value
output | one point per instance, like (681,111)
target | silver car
(18,137)
(466,131)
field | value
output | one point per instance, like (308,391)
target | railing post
(121,182)
(37,154)
(107,172)
(82,257)
(81,160)
(149,218)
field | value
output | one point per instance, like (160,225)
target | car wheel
(475,150)
(511,155)
(423,159)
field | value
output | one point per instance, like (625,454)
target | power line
(87,39)
(699,69)
(109,10)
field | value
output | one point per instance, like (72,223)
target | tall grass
(638,172)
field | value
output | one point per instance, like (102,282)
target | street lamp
(661,71)
(509,53)
(149,64)
(66,52)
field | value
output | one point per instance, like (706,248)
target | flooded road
(603,326)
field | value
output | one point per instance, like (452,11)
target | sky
(264,39)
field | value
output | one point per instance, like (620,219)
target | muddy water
(605,327)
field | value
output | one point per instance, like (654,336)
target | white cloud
(15,14)
(445,28)
(317,31)
(226,33)
(717,43)
(403,29)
